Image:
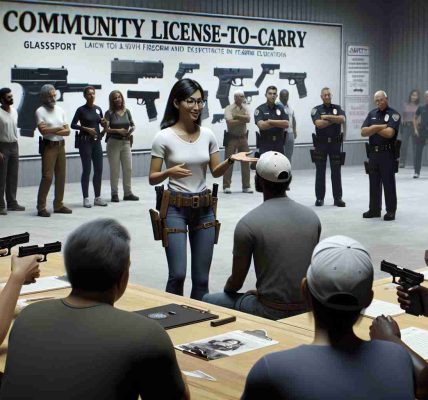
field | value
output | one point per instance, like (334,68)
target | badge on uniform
(386,117)
(278,112)
(395,117)
(314,111)
(334,111)
(256,112)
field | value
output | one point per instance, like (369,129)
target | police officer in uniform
(272,121)
(381,127)
(328,119)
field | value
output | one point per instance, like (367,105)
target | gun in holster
(258,140)
(367,149)
(48,248)
(77,139)
(41,146)
(397,147)
(314,140)
(342,153)
(408,279)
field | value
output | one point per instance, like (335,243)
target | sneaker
(43,213)
(319,203)
(131,197)
(114,198)
(371,214)
(63,210)
(86,203)
(3,211)
(339,203)
(416,176)
(100,202)
(247,190)
(389,216)
(16,207)
(227,191)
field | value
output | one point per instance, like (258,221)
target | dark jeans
(419,144)
(91,150)
(332,150)
(9,173)
(201,246)
(407,133)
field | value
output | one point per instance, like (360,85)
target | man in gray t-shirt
(82,347)
(280,236)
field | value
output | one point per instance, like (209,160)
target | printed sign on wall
(143,53)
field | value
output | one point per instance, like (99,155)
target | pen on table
(223,321)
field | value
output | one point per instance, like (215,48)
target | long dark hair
(410,96)
(182,90)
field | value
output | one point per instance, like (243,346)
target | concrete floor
(402,241)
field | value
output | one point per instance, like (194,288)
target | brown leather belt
(197,201)
(59,143)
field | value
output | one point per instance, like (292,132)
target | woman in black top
(87,120)
(119,129)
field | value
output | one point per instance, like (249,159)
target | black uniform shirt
(333,109)
(390,117)
(265,112)
(422,112)
(89,117)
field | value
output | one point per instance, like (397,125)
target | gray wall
(395,30)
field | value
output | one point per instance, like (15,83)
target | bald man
(381,127)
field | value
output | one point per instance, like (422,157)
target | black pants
(91,150)
(332,150)
(418,150)
(382,173)
(9,173)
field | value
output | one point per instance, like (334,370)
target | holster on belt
(318,155)
(258,140)
(314,140)
(367,150)
(41,146)
(156,224)
(77,140)
(397,147)
(370,169)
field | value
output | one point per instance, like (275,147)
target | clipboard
(173,315)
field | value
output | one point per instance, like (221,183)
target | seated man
(82,347)
(338,364)
(280,235)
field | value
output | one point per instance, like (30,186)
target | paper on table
(45,284)
(379,307)
(417,340)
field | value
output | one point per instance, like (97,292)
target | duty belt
(380,148)
(323,139)
(197,201)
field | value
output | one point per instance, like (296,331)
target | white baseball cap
(274,167)
(341,274)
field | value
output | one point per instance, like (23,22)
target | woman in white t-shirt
(187,150)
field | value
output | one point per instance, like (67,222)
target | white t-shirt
(8,126)
(196,156)
(53,118)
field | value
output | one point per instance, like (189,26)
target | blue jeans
(247,303)
(201,246)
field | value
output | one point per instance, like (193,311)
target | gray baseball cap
(274,167)
(341,274)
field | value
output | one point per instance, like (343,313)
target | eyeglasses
(191,102)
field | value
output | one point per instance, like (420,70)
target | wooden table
(230,372)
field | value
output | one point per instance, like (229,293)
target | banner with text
(142,53)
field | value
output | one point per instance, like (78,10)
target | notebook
(173,315)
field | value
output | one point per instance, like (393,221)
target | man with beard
(51,123)
(9,153)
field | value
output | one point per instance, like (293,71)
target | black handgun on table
(48,248)
(408,279)
(296,78)
(32,80)
(147,99)
(266,69)
(8,242)
(129,71)
(185,68)
(229,77)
